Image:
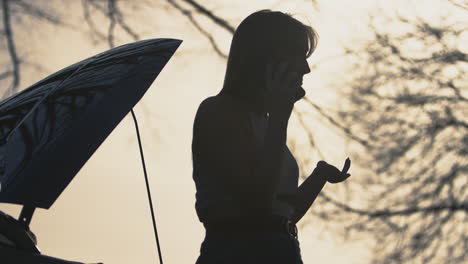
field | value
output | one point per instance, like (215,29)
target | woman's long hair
(263,37)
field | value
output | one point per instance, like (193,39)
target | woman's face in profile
(299,65)
(296,64)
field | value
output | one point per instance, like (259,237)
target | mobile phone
(260,62)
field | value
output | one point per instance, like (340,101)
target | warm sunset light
(383,102)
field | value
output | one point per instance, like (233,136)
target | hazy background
(388,89)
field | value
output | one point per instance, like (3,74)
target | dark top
(226,146)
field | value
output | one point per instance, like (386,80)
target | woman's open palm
(333,174)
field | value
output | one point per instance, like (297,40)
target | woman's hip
(250,247)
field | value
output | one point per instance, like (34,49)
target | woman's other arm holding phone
(279,101)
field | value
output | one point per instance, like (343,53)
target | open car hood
(49,130)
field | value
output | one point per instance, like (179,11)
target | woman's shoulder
(224,113)
(222,104)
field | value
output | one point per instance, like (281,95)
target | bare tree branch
(407,211)
(310,135)
(89,20)
(123,24)
(219,21)
(111,10)
(336,123)
(412,113)
(111,16)
(38,12)
(461,5)
(11,47)
(5,75)
(188,14)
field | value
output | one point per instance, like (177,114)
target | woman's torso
(215,203)
(290,174)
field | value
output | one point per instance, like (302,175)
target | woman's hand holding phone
(282,89)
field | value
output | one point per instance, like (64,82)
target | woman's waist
(251,224)
(246,220)
(224,211)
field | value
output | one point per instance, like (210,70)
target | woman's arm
(308,191)
(306,194)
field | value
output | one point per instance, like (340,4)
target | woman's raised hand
(333,174)
(281,88)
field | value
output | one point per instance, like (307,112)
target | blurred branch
(315,4)
(11,47)
(5,75)
(461,5)
(37,12)
(219,21)
(407,99)
(111,15)
(310,135)
(111,10)
(124,25)
(188,14)
(407,211)
(89,20)
(346,130)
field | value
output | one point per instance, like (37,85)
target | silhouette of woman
(246,178)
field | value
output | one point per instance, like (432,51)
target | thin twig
(189,15)
(89,20)
(11,46)
(111,16)
(390,213)
(310,135)
(5,75)
(346,130)
(38,12)
(123,24)
(458,4)
(219,21)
